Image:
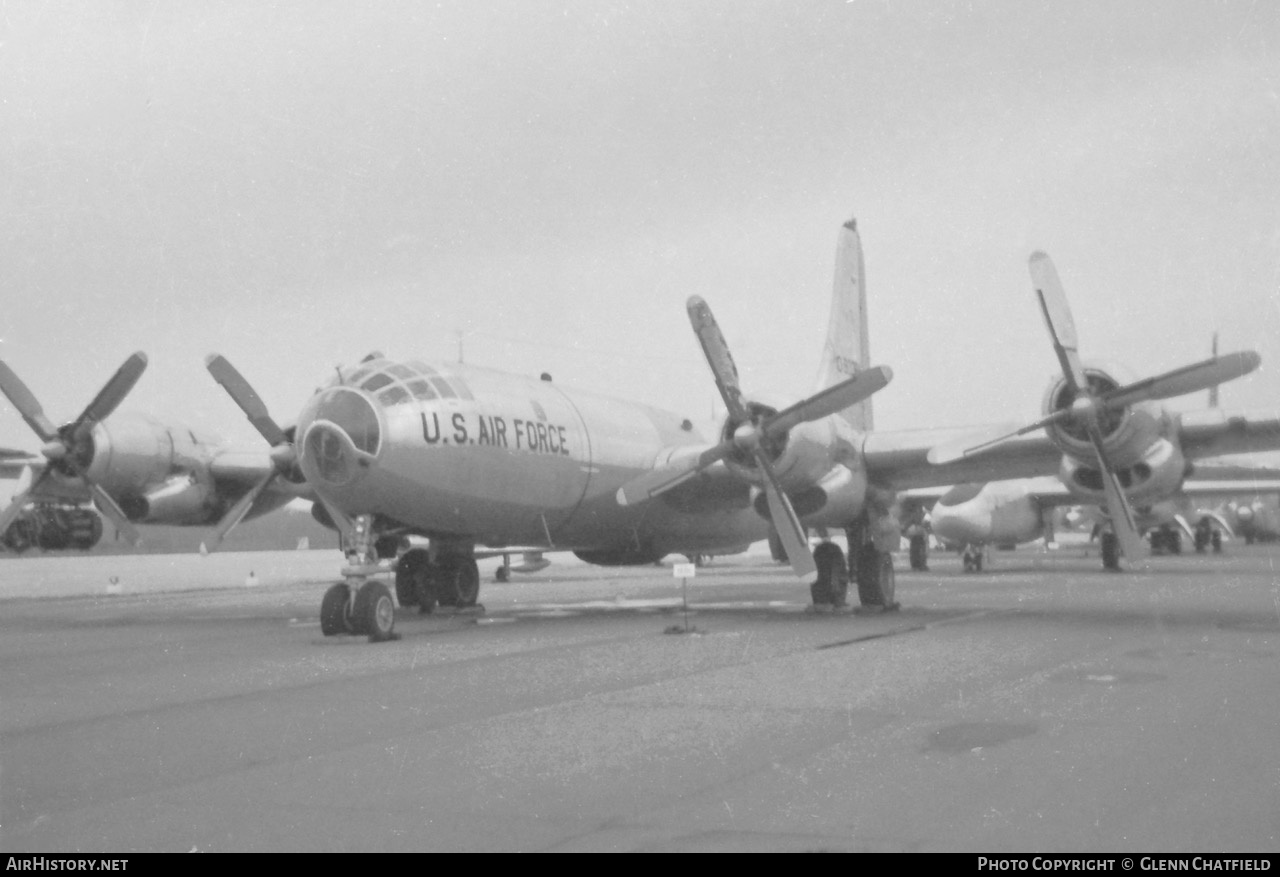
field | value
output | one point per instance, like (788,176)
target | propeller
(754,434)
(1089,408)
(1179,382)
(70,448)
(284,456)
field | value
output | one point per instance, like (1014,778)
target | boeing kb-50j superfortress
(476,460)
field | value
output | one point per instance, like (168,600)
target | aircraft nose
(342,438)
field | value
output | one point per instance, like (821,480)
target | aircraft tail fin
(845,352)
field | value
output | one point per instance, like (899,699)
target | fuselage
(471,453)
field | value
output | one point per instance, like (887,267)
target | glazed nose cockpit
(343,428)
(343,434)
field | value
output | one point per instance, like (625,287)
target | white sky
(297,184)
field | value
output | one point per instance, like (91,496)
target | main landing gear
(448,580)
(1166,540)
(872,572)
(1109,542)
(972,556)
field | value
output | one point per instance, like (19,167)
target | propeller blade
(718,357)
(26,403)
(236,513)
(1057,316)
(108,507)
(110,396)
(979,442)
(1188,379)
(664,478)
(794,540)
(835,398)
(1121,513)
(246,397)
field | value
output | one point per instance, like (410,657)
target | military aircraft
(473,459)
(135,469)
(1255,518)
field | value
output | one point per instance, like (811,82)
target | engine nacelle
(997,512)
(132,452)
(1155,474)
(180,500)
(801,457)
(832,502)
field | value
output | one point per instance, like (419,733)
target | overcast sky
(296,184)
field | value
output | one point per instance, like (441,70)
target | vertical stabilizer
(845,352)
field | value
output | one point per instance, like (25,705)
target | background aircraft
(1017,511)
(1255,518)
(135,469)
(470,457)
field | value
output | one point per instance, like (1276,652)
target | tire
(408,567)
(1110,551)
(467,582)
(839,579)
(829,560)
(375,613)
(920,553)
(458,582)
(876,581)
(334,617)
(425,591)
(502,574)
(18,536)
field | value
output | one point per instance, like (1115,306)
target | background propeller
(284,456)
(70,448)
(754,434)
(1089,408)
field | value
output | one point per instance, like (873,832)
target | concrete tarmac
(1042,705)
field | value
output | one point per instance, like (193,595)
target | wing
(899,459)
(237,471)
(690,478)
(1214,432)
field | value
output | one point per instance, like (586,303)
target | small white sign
(684,570)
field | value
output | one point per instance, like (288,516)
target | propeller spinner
(70,448)
(754,432)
